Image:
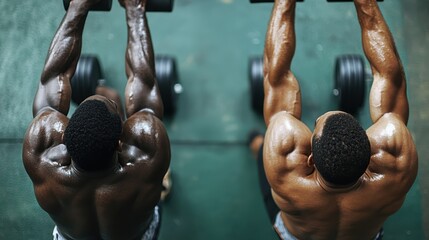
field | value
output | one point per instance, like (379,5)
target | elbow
(272,77)
(145,76)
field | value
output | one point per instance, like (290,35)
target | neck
(113,166)
(331,187)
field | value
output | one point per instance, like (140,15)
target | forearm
(67,43)
(141,91)
(377,39)
(388,93)
(282,92)
(139,56)
(280,40)
(60,65)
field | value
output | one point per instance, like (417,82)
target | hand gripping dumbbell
(152,5)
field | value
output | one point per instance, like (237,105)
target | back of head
(92,135)
(342,153)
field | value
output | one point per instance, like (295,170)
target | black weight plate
(160,5)
(167,77)
(256,80)
(104,5)
(152,5)
(85,80)
(77,82)
(350,82)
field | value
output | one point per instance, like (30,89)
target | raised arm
(388,91)
(54,87)
(281,89)
(141,92)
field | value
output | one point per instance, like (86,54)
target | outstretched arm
(394,153)
(141,92)
(281,88)
(388,92)
(54,88)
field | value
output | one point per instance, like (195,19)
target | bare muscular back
(314,209)
(330,214)
(117,203)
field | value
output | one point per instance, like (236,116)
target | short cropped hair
(342,152)
(92,135)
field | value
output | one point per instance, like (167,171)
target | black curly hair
(342,152)
(92,135)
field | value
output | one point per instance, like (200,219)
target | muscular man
(339,181)
(96,176)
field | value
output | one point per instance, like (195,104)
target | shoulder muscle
(145,137)
(392,146)
(44,133)
(287,143)
(45,130)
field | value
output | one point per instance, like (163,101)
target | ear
(310,161)
(119,146)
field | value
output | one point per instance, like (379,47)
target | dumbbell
(168,82)
(256,82)
(89,75)
(265,1)
(151,5)
(349,83)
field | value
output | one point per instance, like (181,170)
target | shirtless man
(339,181)
(96,176)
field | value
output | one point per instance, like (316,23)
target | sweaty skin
(116,203)
(311,207)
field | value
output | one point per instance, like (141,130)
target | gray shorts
(281,229)
(150,234)
(286,235)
